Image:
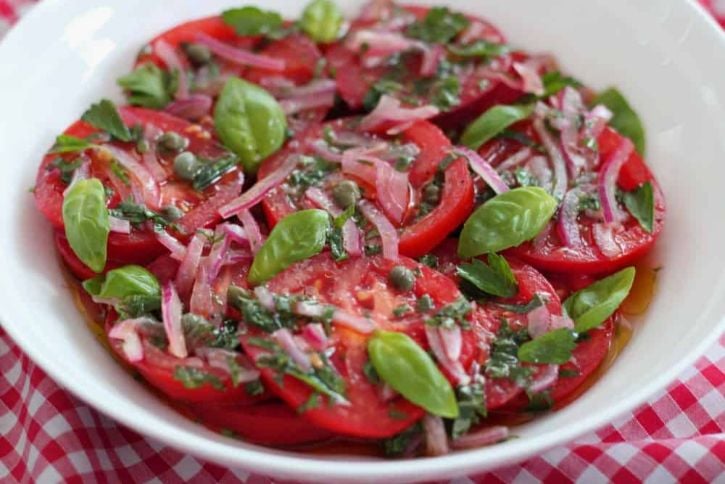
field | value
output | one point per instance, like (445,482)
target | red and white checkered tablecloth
(47,435)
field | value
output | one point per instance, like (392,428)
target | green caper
(431,193)
(172,213)
(346,193)
(186,165)
(402,278)
(198,54)
(171,141)
(142,146)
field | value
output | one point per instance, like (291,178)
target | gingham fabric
(47,435)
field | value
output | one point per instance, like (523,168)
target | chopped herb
(524,178)
(66,143)
(254,313)
(480,48)
(312,172)
(589,202)
(539,402)
(148,86)
(211,171)
(225,335)
(337,248)
(120,172)
(568,373)
(311,403)
(105,117)
(535,302)
(376,91)
(401,310)
(66,168)
(396,414)
(471,405)
(640,203)
(138,214)
(503,361)
(196,378)
(554,347)
(445,92)
(495,278)
(430,260)
(397,445)
(138,305)
(370,373)
(440,25)
(424,304)
(555,81)
(450,315)
(254,388)
(373,249)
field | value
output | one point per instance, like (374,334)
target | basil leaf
(493,122)
(495,278)
(295,238)
(555,81)
(105,116)
(85,217)
(131,280)
(253,21)
(554,347)
(625,119)
(249,121)
(506,220)
(641,204)
(321,20)
(66,143)
(480,48)
(147,86)
(440,25)
(410,371)
(591,306)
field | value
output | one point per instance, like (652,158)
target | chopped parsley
(138,214)
(312,172)
(494,278)
(311,403)
(471,406)
(148,86)
(254,388)
(535,302)
(440,25)
(503,361)
(430,260)
(66,168)
(450,315)
(398,444)
(196,378)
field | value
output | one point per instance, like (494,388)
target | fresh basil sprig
(321,20)
(253,21)
(148,86)
(85,218)
(249,121)
(296,237)
(66,143)
(591,306)
(641,204)
(506,220)
(493,122)
(625,119)
(495,278)
(104,116)
(409,370)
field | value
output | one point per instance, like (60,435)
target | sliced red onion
(393,191)
(219,358)
(174,63)
(604,238)
(289,345)
(119,225)
(201,295)
(567,224)
(322,149)
(495,75)
(149,187)
(260,189)
(608,181)
(387,393)
(81,173)
(351,235)
(350,321)
(358,163)
(561,180)
(240,56)
(545,380)
(176,248)
(192,108)
(127,331)
(171,314)
(481,438)
(388,234)
(235,233)
(436,440)
(265,297)
(218,254)
(251,227)
(539,168)
(539,321)
(190,264)
(294,105)
(514,160)
(452,342)
(483,169)
(528,71)
(379,44)
(389,110)
(440,351)
(315,336)
(317,87)
(238,256)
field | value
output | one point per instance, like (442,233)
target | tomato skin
(265,424)
(164,268)
(72,262)
(301,57)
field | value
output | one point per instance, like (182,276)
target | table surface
(47,435)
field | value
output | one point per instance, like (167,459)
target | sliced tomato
(265,424)
(358,287)
(547,252)
(300,55)
(418,235)
(141,245)
(74,264)
(164,268)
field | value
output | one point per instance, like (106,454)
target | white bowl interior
(666,56)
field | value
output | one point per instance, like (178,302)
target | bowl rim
(271,462)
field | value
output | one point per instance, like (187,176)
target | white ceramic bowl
(666,55)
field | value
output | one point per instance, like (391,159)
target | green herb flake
(480,48)
(450,315)
(65,168)
(195,378)
(503,361)
(254,388)
(472,407)
(148,86)
(312,402)
(440,25)
(138,214)
(495,278)
(398,444)
(66,143)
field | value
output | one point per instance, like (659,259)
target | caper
(402,278)
(431,193)
(171,141)
(346,193)
(142,146)
(186,165)
(172,213)
(198,53)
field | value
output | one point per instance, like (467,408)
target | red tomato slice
(417,235)
(357,286)
(547,252)
(141,245)
(301,57)
(265,424)
(74,264)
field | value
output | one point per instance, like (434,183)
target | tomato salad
(293,229)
